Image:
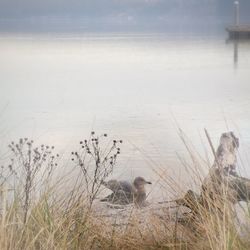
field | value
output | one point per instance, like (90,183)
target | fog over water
(60,82)
(57,89)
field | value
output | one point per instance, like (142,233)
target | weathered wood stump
(222,186)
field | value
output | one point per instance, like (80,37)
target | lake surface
(137,87)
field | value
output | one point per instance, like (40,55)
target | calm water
(137,87)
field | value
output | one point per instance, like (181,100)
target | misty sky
(119,11)
(72,8)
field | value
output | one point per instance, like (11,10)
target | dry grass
(54,221)
(50,226)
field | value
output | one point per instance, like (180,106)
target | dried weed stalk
(30,166)
(96,161)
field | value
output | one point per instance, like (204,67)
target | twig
(211,146)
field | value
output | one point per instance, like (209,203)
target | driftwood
(222,184)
